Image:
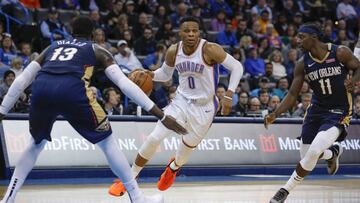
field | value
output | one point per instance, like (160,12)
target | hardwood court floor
(345,190)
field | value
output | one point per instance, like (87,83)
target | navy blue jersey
(326,79)
(72,56)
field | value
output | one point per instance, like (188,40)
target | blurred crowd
(261,34)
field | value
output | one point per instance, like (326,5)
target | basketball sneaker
(333,163)
(280,196)
(158,198)
(117,188)
(167,178)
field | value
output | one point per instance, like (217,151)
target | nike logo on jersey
(312,64)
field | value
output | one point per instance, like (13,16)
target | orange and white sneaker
(167,178)
(117,188)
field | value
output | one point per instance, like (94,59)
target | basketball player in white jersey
(195,103)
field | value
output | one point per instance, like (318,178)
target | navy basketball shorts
(68,96)
(319,119)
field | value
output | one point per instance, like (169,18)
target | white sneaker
(158,198)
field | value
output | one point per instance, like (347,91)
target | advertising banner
(226,144)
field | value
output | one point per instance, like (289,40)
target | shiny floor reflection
(311,191)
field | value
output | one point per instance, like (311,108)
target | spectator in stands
(120,27)
(160,16)
(146,44)
(126,58)
(25,53)
(111,101)
(219,23)
(112,18)
(181,11)
(356,114)
(241,6)
(345,10)
(273,37)
(269,74)
(161,94)
(8,79)
(140,25)
(264,48)
(279,69)
(274,102)
(68,4)
(217,5)
(131,13)
(17,66)
(98,22)
(264,21)
(282,88)
(298,19)
(204,8)
(243,30)
(256,28)
(165,30)
(290,9)
(52,28)
(1,30)
(263,85)
(282,24)
(291,61)
(129,38)
(99,38)
(260,7)
(264,99)
(220,91)
(254,108)
(227,37)
(254,65)
(342,39)
(301,109)
(343,25)
(242,105)
(147,6)
(329,35)
(7,50)
(155,60)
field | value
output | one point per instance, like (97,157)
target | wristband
(163,118)
(227,97)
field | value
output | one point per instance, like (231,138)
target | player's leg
(22,169)
(322,141)
(167,178)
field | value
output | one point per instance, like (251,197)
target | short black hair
(190,19)
(82,26)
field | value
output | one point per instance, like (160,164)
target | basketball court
(211,189)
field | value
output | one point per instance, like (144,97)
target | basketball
(143,80)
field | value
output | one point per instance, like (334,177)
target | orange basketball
(143,80)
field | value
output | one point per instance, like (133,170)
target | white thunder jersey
(197,80)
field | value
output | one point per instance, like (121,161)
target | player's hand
(226,104)
(349,85)
(170,123)
(269,119)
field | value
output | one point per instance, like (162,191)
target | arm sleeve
(236,71)
(19,85)
(164,73)
(129,88)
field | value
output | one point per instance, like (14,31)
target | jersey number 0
(62,54)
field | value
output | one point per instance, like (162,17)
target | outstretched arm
(20,84)
(113,72)
(216,55)
(291,97)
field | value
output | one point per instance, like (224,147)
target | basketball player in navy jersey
(326,68)
(62,74)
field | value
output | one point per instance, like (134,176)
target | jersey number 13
(62,54)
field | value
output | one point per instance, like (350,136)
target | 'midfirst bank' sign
(226,143)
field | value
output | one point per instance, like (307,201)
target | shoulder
(341,51)
(171,54)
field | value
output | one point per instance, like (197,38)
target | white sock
(328,154)
(136,170)
(120,165)
(293,181)
(173,166)
(22,169)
